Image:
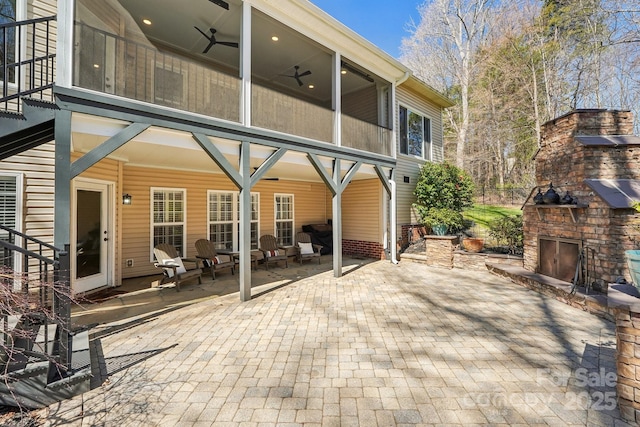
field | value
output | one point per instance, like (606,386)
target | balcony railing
(277,111)
(365,136)
(112,64)
(27,61)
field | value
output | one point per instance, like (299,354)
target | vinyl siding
(37,168)
(361,211)
(409,166)
(309,205)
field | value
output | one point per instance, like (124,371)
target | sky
(382,22)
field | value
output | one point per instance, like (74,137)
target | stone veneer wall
(567,163)
(362,248)
(628,362)
(479,260)
(440,250)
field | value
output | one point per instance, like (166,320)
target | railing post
(62,306)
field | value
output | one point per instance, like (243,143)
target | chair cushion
(174,261)
(305,248)
(219,259)
(272,253)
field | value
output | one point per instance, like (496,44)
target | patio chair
(272,252)
(210,257)
(305,250)
(172,265)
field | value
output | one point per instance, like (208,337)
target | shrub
(508,231)
(442,192)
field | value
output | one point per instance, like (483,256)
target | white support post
(336,223)
(245,65)
(245,223)
(336,78)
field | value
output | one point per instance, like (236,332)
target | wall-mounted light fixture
(127,199)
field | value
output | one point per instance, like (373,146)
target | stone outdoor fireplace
(592,155)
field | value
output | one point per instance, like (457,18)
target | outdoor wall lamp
(127,199)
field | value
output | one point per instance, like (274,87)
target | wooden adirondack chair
(172,265)
(210,257)
(272,252)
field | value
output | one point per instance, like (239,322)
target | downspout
(393,220)
(392,183)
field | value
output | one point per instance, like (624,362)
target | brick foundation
(364,249)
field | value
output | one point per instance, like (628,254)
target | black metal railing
(27,61)
(45,276)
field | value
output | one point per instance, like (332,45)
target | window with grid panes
(284,219)
(168,218)
(8,39)
(224,219)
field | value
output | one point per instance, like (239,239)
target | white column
(336,79)
(245,65)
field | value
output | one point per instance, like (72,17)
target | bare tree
(442,51)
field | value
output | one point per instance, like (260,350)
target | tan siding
(309,203)
(432,111)
(36,166)
(362,211)
(410,166)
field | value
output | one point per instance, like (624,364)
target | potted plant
(472,244)
(441,220)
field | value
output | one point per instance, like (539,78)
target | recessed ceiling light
(343,71)
(311,86)
(146,22)
(96,65)
(275,38)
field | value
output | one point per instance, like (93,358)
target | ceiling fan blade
(223,4)
(212,41)
(298,80)
(306,73)
(201,32)
(231,44)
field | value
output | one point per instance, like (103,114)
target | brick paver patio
(383,345)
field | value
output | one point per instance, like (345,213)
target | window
(8,39)
(415,134)
(10,202)
(168,218)
(224,219)
(284,219)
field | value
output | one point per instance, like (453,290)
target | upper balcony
(206,59)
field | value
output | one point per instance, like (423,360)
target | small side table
(236,257)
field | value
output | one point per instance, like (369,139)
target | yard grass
(482,215)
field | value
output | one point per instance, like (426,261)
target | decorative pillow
(305,248)
(174,261)
(272,253)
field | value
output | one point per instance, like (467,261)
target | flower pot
(439,229)
(633,262)
(472,244)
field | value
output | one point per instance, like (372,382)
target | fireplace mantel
(570,208)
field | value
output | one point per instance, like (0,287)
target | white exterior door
(92,259)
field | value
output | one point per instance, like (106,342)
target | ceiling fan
(212,39)
(297,74)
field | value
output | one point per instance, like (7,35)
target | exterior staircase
(33,126)
(42,361)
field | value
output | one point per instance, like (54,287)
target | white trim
(152,190)
(95,184)
(235,216)
(64,43)
(275,215)
(424,116)
(19,214)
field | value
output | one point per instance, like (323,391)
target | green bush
(508,231)
(442,192)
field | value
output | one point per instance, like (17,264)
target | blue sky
(382,22)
